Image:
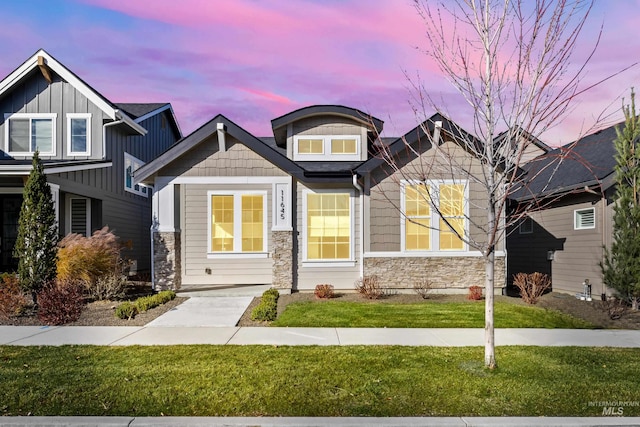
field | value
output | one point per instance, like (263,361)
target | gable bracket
(44,68)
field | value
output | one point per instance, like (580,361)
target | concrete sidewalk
(174,335)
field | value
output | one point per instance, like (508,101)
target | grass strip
(315,381)
(425,315)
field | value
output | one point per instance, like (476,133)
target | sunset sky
(254,60)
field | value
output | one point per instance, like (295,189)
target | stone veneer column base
(443,272)
(282,260)
(167,268)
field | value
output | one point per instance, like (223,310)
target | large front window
(26,133)
(434,216)
(238,223)
(328,226)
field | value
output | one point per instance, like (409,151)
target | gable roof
(279,124)
(587,162)
(418,135)
(205,131)
(50,62)
(140,112)
(524,134)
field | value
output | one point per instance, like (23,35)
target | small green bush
(127,310)
(267,310)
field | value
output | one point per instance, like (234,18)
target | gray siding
(578,253)
(194,222)
(385,196)
(36,95)
(319,126)
(207,160)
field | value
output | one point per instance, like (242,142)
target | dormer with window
(326,133)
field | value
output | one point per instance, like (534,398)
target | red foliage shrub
(324,291)
(60,302)
(13,302)
(475,293)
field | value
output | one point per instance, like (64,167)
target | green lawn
(314,381)
(425,315)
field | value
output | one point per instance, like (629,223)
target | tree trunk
(489,336)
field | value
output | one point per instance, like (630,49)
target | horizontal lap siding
(385,196)
(195,239)
(577,252)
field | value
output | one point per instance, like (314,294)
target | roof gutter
(123,118)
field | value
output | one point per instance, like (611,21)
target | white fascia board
(158,111)
(223,179)
(63,72)
(121,115)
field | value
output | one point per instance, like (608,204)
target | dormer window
(328,147)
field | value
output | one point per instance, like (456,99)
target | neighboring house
(89,147)
(570,191)
(313,204)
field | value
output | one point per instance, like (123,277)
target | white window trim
(124,169)
(326,148)
(435,218)
(306,262)
(87,117)
(522,230)
(237,225)
(68,215)
(52,116)
(575,218)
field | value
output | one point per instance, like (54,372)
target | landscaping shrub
(94,261)
(531,286)
(13,301)
(324,291)
(369,287)
(267,310)
(475,293)
(60,302)
(127,310)
(423,287)
(614,307)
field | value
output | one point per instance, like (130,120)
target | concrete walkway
(173,335)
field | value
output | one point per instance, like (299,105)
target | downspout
(604,236)
(361,225)
(104,136)
(152,230)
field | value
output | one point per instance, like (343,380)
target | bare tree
(512,61)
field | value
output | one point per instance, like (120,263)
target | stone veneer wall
(282,260)
(443,272)
(167,269)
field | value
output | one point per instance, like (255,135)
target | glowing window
(237,223)
(417,218)
(344,146)
(310,146)
(452,220)
(328,226)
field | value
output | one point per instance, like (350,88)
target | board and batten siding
(194,233)
(36,95)
(385,197)
(338,276)
(577,253)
